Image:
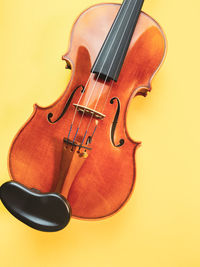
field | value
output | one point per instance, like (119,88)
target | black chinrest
(44,212)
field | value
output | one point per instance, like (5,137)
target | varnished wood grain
(106,179)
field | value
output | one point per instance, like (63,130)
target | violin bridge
(86,110)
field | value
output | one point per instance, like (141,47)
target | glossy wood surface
(105,180)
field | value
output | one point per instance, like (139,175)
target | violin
(75,158)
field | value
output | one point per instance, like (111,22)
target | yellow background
(160,225)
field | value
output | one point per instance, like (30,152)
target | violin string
(107,96)
(106,79)
(83,113)
(76,109)
(108,36)
(118,65)
(107,76)
(88,126)
(126,27)
(104,102)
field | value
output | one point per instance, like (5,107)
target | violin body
(101,184)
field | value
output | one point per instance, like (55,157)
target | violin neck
(110,59)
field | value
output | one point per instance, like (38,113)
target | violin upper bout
(151,46)
(145,56)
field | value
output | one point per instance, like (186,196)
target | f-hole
(114,124)
(50,115)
